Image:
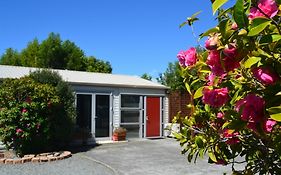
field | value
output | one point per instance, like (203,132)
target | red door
(152,116)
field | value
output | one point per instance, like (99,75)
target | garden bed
(8,157)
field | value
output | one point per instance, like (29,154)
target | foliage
(146,76)
(172,77)
(37,112)
(11,57)
(62,124)
(26,108)
(235,89)
(54,53)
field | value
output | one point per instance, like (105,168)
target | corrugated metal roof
(85,78)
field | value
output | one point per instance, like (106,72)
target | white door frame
(93,111)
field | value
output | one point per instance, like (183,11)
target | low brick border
(44,157)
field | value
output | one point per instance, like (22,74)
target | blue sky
(135,36)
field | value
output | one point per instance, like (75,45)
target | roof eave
(119,85)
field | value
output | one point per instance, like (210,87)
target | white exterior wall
(116,110)
(116,99)
(166,110)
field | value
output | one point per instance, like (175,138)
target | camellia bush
(62,125)
(235,89)
(36,113)
(25,110)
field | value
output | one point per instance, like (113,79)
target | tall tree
(30,55)
(54,53)
(11,57)
(172,77)
(146,76)
(95,65)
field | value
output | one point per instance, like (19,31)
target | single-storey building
(105,101)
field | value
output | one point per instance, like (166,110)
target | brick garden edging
(44,157)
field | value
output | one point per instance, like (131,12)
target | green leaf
(188,88)
(251,61)
(276,38)
(274,110)
(177,135)
(258,25)
(262,52)
(202,153)
(183,24)
(217,4)
(275,113)
(198,93)
(276,117)
(196,14)
(199,142)
(207,108)
(239,14)
(192,19)
(225,125)
(212,155)
(208,32)
(224,27)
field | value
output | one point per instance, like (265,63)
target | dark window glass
(130,101)
(130,116)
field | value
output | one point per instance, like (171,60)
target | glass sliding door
(131,114)
(84,111)
(102,116)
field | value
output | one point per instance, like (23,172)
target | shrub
(235,89)
(36,112)
(63,122)
(26,109)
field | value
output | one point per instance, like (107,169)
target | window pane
(130,116)
(132,131)
(130,101)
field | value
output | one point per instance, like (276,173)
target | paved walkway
(143,157)
(155,157)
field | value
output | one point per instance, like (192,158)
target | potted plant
(119,134)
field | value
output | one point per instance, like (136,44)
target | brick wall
(177,102)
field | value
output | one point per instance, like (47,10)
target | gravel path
(78,164)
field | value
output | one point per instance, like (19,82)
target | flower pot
(118,136)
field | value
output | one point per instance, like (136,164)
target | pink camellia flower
(265,75)
(230,63)
(23,110)
(231,137)
(268,7)
(234,26)
(212,79)
(212,42)
(215,97)
(252,107)
(220,115)
(18,131)
(214,62)
(269,124)
(188,57)
(230,50)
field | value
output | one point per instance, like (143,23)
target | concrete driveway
(138,157)
(155,157)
